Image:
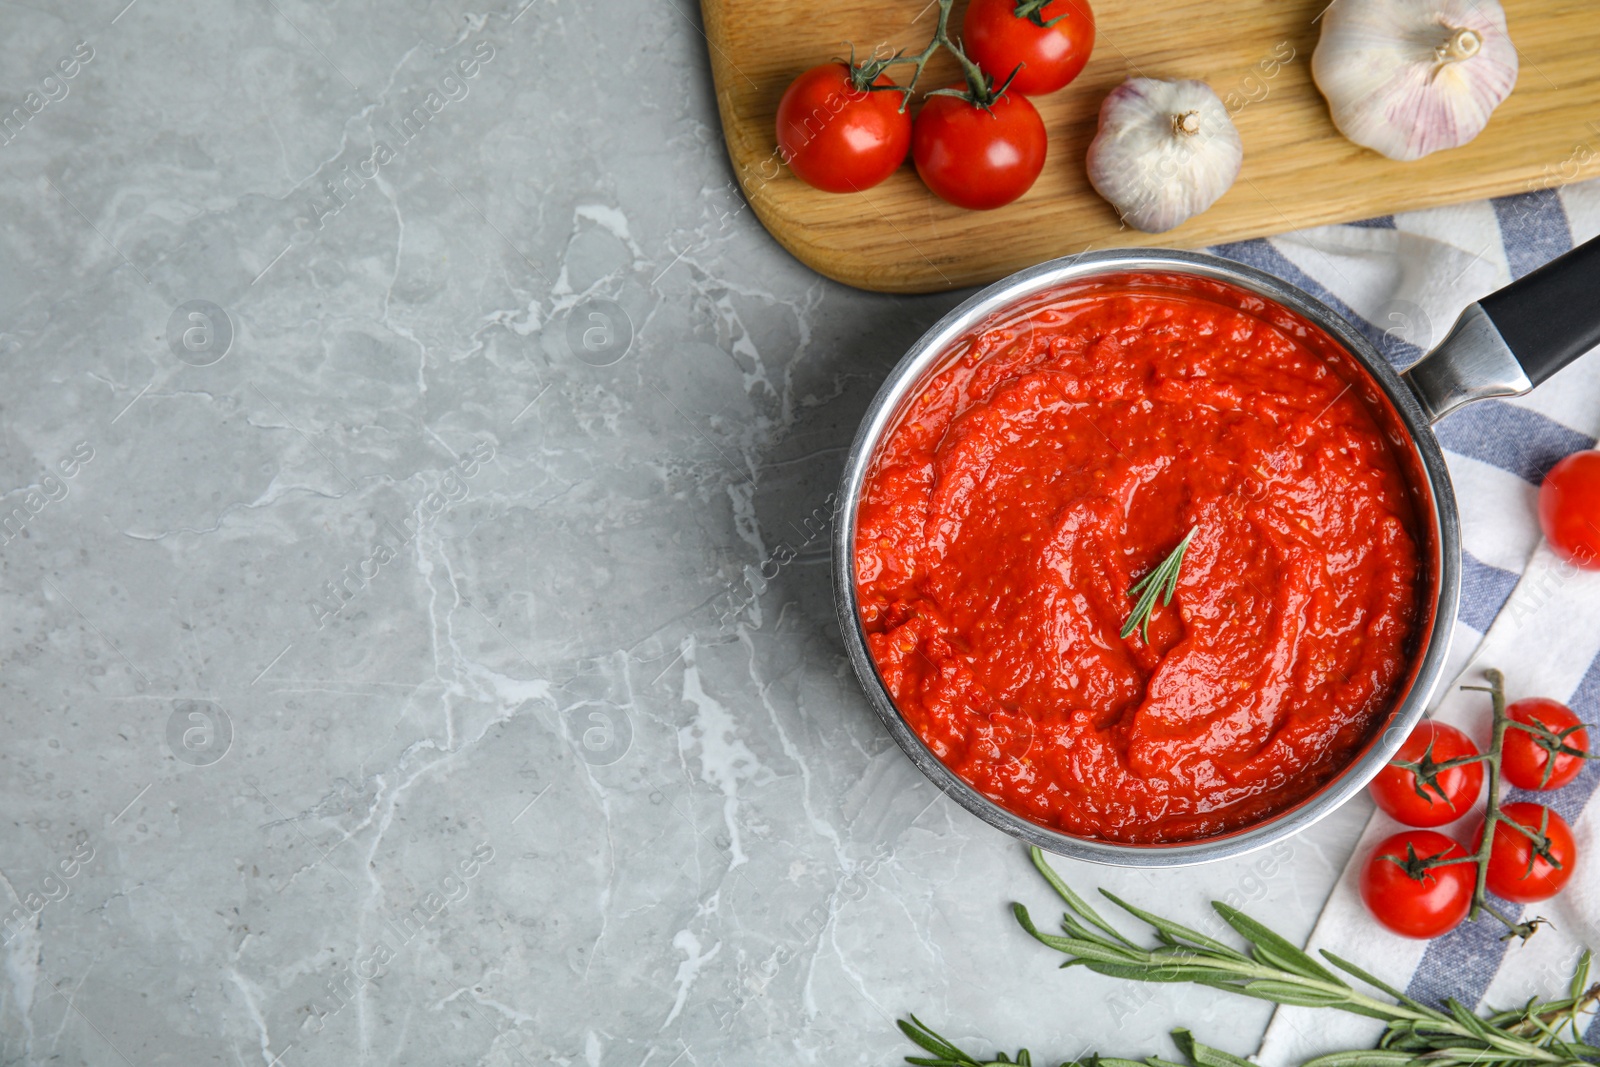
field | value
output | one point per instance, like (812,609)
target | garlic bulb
(1409,77)
(1165,150)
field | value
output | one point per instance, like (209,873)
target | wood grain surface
(1298,171)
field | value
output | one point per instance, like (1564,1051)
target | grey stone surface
(388,672)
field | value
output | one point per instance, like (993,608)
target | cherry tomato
(840,138)
(979,158)
(1411,907)
(998,39)
(1525,762)
(1569,509)
(1396,789)
(1515,871)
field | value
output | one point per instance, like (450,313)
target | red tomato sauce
(1053,464)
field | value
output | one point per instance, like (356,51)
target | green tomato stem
(980,91)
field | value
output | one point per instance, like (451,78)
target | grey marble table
(400,407)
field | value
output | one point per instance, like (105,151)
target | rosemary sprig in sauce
(1538,1034)
(1162,582)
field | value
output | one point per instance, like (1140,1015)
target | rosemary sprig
(1539,1034)
(1162,582)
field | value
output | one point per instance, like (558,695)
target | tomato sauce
(1052,464)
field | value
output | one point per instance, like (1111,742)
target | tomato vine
(1426,772)
(980,91)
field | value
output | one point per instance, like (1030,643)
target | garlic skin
(1409,77)
(1165,150)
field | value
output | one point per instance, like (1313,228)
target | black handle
(1551,317)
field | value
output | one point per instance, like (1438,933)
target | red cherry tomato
(1525,762)
(1515,871)
(840,138)
(1411,907)
(979,158)
(997,39)
(1569,509)
(1396,789)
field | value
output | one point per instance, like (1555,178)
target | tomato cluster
(1421,883)
(1435,779)
(845,127)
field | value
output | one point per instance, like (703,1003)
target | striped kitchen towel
(1523,611)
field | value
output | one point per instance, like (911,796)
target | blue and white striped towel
(1406,278)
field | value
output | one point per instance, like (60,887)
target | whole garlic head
(1409,77)
(1165,150)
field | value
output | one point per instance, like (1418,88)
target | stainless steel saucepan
(1501,346)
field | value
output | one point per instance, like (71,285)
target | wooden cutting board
(1298,171)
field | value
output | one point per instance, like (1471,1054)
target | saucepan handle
(1512,340)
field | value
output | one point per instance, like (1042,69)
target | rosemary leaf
(1157,1061)
(1175,930)
(1290,993)
(1161,582)
(1204,1055)
(1469,1020)
(1277,950)
(924,1036)
(1361,1058)
(1379,984)
(1087,948)
(1077,904)
(1149,973)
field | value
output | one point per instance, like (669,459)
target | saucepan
(1501,346)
